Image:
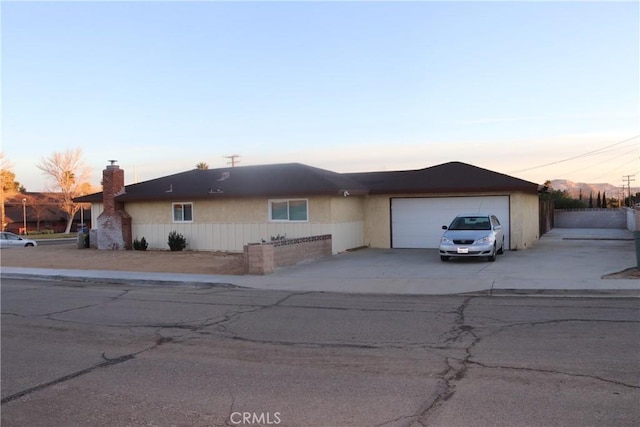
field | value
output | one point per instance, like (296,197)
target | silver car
(10,240)
(474,235)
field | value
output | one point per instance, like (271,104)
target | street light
(24,216)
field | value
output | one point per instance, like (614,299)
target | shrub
(140,245)
(41,232)
(176,242)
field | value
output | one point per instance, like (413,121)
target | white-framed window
(182,212)
(289,210)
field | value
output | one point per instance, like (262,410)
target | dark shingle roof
(298,180)
(452,177)
(280,180)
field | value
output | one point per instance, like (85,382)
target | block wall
(265,258)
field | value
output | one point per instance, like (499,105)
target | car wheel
(492,257)
(28,245)
(501,250)
(444,258)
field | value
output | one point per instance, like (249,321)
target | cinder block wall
(266,257)
(590,218)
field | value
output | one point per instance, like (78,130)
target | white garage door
(417,222)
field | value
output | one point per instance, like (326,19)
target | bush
(140,245)
(562,200)
(177,242)
(40,233)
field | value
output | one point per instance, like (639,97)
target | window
(288,210)
(182,212)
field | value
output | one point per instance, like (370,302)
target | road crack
(554,372)
(107,363)
(456,368)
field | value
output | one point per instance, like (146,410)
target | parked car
(10,240)
(472,235)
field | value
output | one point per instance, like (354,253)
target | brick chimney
(114,223)
(112,185)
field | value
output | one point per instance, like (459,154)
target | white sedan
(10,240)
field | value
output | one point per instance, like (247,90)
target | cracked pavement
(91,354)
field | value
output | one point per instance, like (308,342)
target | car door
(497,228)
(12,240)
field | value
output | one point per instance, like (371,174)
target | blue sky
(346,86)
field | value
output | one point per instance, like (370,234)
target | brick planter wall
(266,257)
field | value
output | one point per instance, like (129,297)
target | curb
(539,293)
(116,281)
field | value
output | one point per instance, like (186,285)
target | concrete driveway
(563,259)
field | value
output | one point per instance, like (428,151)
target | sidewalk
(563,262)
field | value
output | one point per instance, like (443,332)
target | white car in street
(474,235)
(10,240)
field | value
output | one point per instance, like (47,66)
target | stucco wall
(347,209)
(377,222)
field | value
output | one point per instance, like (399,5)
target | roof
(299,180)
(42,206)
(452,177)
(279,180)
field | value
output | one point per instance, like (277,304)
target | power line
(611,170)
(576,157)
(591,165)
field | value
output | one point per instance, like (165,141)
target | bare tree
(69,176)
(202,166)
(8,186)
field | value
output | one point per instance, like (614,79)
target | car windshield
(470,223)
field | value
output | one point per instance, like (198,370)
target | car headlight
(445,240)
(488,240)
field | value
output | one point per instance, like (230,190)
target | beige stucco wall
(347,209)
(523,217)
(377,221)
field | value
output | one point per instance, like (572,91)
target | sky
(537,90)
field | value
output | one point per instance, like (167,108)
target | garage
(416,222)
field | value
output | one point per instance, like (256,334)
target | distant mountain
(573,188)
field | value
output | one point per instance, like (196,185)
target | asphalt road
(89,354)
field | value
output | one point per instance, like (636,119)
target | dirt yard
(67,256)
(629,273)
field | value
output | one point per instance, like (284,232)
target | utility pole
(233,161)
(629,179)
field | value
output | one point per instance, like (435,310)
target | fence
(546,213)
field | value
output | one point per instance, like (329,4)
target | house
(225,209)
(40,211)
